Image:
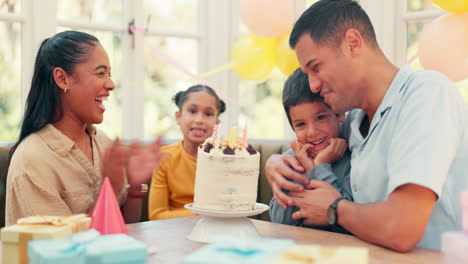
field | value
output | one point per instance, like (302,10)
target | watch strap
(334,205)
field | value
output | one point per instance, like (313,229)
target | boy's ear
(341,118)
(218,121)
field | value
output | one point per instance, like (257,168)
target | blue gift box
(229,251)
(121,249)
(88,247)
(55,251)
(59,251)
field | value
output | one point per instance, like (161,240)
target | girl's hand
(303,155)
(142,163)
(333,152)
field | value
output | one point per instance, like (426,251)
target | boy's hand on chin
(303,155)
(333,152)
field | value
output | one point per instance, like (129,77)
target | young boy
(318,147)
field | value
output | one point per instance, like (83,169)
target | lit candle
(233,137)
(244,138)
(215,133)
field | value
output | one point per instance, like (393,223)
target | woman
(60,160)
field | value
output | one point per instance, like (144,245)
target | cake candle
(244,138)
(215,133)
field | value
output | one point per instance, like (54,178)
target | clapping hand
(142,163)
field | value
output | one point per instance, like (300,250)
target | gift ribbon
(23,240)
(36,223)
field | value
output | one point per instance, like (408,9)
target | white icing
(226,182)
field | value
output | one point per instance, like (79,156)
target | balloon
(268,18)
(454,6)
(286,59)
(254,57)
(443,46)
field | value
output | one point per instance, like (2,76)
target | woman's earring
(65,90)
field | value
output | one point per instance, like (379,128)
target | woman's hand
(142,163)
(113,165)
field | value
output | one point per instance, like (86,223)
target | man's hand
(302,154)
(313,203)
(277,169)
(333,152)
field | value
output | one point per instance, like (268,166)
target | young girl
(173,183)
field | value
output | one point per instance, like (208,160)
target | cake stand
(216,223)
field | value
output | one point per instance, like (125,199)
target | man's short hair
(296,91)
(327,21)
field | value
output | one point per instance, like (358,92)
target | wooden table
(169,239)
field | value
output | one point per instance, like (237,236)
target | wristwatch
(332,215)
(138,191)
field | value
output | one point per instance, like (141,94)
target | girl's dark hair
(182,96)
(43,105)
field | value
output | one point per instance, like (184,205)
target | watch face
(331,216)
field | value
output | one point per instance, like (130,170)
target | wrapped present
(88,247)
(16,237)
(304,254)
(228,251)
(116,248)
(59,251)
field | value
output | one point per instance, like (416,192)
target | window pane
(163,80)
(104,11)
(10,6)
(413,31)
(261,108)
(112,43)
(174,15)
(420,5)
(10,79)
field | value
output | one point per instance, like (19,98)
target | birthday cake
(227,175)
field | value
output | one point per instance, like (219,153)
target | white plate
(259,208)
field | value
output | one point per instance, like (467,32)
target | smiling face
(87,87)
(331,72)
(197,117)
(314,123)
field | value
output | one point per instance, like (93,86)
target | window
(172,29)
(10,69)
(91,17)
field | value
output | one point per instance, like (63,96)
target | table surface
(169,240)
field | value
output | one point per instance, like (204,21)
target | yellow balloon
(286,59)
(454,6)
(254,57)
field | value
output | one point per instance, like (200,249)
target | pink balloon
(443,46)
(268,18)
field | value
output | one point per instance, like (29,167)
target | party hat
(107,218)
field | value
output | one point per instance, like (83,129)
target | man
(408,136)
